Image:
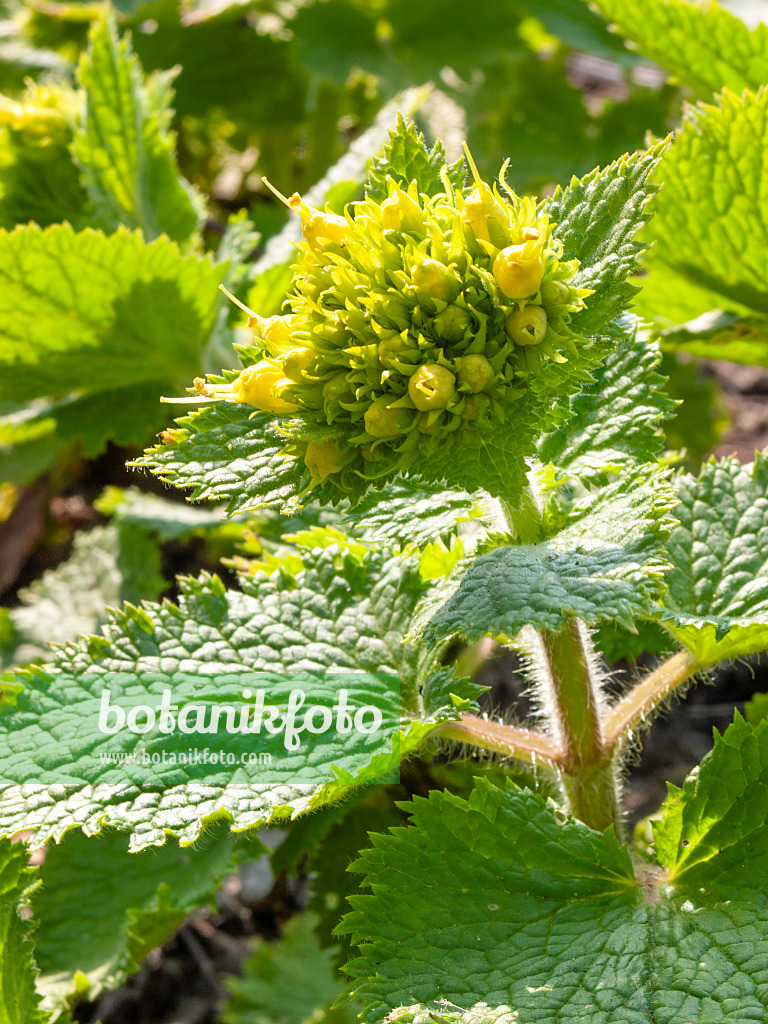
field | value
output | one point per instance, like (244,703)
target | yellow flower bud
(476,371)
(555,293)
(527,326)
(276,334)
(296,362)
(434,279)
(257,386)
(519,270)
(451,323)
(323,458)
(316,225)
(383,421)
(401,213)
(431,387)
(486,216)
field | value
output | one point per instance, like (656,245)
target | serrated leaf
(604,565)
(405,158)
(82,311)
(717,602)
(19,1003)
(718,335)
(226,453)
(291,981)
(108,566)
(497,909)
(711,214)
(399,514)
(492,909)
(598,218)
(136,901)
(715,829)
(125,147)
(616,419)
(706,47)
(336,614)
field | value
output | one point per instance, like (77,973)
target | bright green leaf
(605,565)
(18,1000)
(336,613)
(718,335)
(705,46)
(717,603)
(125,147)
(80,311)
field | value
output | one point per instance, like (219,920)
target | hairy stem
(567,666)
(641,701)
(525,744)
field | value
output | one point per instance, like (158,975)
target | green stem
(587,773)
(509,740)
(637,706)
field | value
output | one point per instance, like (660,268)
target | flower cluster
(411,324)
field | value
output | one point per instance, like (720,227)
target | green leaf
(491,905)
(711,215)
(291,981)
(168,520)
(615,420)
(224,65)
(598,219)
(706,47)
(701,418)
(717,603)
(81,311)
(405,158)
(718,335)
(333,611)
(108,566)
(493,909)
(399,514)
(125,147)
(714,832)
(37,435)
(135,902)
(226,453)
(604,565)
(18,1000)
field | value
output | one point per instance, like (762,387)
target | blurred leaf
(83,311)
(108,566)
(124,145)
(699,422)
(718,335)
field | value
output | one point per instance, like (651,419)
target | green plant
(451,429)
(521,900)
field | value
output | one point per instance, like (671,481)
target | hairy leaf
(405,158)
(493,909)
(711,214)
(19,1003)
(616,419)
(399,514)
(333,611)
(717,603)
(605,565)
(598,218)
